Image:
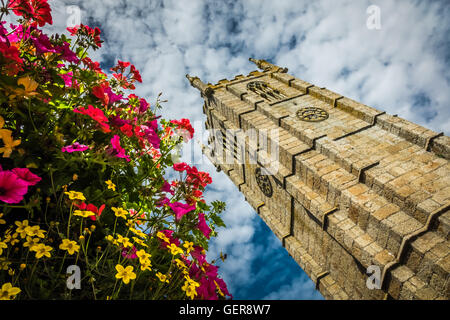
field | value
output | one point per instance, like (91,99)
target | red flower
(198,178)
(135,74)
(93,66)
(182,166)
(96,114)
(127,130)
(38,10)
(84,30)
(184,128)
(11,60)
(92,208)
(121,65)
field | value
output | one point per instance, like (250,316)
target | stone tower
(359,198)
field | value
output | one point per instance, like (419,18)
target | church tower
(359,198)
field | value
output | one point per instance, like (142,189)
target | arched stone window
(265,91)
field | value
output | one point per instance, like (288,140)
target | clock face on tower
(264,183)
(312,114)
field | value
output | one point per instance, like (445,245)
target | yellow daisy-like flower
(142,255)
(125,241)
(180,264)
(190,287)
(83,213)
(1,220)
(162,277)
(70,246)
(111,185)
(126,274)
(162,236)
(189,246)
(41,250)
(138,233)
(2,246)
(174,249)
(120,212)
(8,292)
(75,195)
(21,228)
(31,242)
(35,231)
(11,238)
(146,265)
(139,241)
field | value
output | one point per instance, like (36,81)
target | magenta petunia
(167,187)
(12,188)
(75,147)
(202,226)
(129,253)
(26,175)
(180,209)
(119,151)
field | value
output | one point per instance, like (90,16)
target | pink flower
(202,226)
(167,188)
(120,152)
(27,176)
(76,147)
(12,188)
(180,209)
(129,253)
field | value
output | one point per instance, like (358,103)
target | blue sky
(401,68)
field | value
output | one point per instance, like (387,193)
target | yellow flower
(142,255)
(11,239)
(111,185)
(75,177)
(189,246)
(75,195)
(174,249)
(23,266)
(162,277)
(126,274)
(146,265)
(8,292)
(190,287)
(31,242)
(124,241)
(138,233)
(29,90)
(35,231)
(41,250)
(180,264)
(119,212)
(8,141)
(218,289)
(70,246)
(2,246)
(139,241)
(1,220)
(83,213)
(163,237)
(21,228)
